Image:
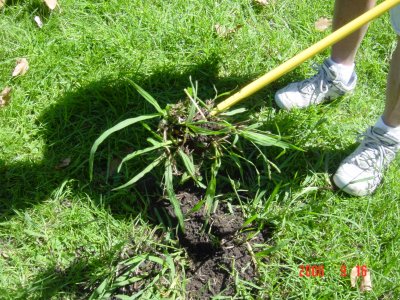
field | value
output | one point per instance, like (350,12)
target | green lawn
(62,236)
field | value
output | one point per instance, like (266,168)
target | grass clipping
(191,144)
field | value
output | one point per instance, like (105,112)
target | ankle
(392,130)
(344,71)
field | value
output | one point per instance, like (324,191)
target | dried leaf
(323,24)
(21,67)
(220,29)
(63,163)
(2,3)
(353,277)
(366,283)
(223,31)
(38,21)
(5,96)
(263,2)
(51,4)
(4,255)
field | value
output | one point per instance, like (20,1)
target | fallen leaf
(5,96)
(51,4)
(21,67)
(220,29)
(63,163)
(223,31)
(263,2)
(323,24)
(353,277)
(2,2)
(4,255)
(38,21)
(366,283)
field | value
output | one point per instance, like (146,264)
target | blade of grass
(108,132)
(234,156)
(193,101)
(148,97)
(135,296)
(189,166)
(146,170)
(268,163)
(192,108)
(273,249)
(122,297)
(264,139)
(170,263)
(168,178)
(204,131)
(234,112)
(101,291)
(142,151)
(152,132)
(212,185)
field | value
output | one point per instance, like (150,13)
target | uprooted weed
(192,143)
(175,127)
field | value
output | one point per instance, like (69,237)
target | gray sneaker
(361,172)
(322,87)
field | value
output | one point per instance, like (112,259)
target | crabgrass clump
(191,143)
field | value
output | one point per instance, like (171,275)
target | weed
(189,137)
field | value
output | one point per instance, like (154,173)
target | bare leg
(344,52)
(391,115)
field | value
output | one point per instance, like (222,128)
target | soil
(217,251)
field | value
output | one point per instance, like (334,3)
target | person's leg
(362,171)
(336,76)
(391,114)
(344,51)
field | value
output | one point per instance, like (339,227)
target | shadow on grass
(72,281)
(70,127)
(72,124)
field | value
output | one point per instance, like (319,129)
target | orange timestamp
(319,270)
(311,271)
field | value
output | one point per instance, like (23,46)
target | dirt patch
(218,248)
(218,251)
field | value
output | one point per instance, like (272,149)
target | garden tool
(298,59)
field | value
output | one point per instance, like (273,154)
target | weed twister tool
(292,63)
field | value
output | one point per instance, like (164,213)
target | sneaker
(324,86)
(361,172)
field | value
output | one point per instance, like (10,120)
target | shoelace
(377,152)
(309,88)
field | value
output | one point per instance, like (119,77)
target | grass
(61,236)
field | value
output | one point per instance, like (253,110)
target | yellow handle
(292,63)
